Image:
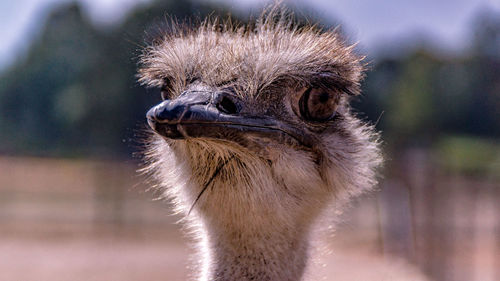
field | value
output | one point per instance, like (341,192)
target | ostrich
(255,140)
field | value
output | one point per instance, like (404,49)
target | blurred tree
(75,93)
(412,104)
(67,48)
(425,96)
(484,69)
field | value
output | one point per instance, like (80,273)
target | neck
(254,240)
(265,255)
(255,221)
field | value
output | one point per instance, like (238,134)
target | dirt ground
(123,259)
(86,220)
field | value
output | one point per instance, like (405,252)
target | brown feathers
(252,57)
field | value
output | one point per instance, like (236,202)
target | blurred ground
(104,258)
(93,220)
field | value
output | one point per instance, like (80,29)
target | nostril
(226,105)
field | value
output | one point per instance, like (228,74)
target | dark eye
(316,104)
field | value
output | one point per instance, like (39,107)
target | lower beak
(218,116)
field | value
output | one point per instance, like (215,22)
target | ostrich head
(255,138)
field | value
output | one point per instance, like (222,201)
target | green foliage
(411,105)
(469,155)
(76,93)
(425,97)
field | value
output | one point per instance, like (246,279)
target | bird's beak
(217,115)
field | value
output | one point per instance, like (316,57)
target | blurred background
(73,207)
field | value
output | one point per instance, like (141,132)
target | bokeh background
(73,207)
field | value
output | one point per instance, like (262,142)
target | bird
(254,138)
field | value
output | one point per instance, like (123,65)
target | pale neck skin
(255,219)
(252,241)
(268,255)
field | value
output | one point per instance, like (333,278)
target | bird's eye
(316,104)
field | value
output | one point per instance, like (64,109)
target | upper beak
(218,115)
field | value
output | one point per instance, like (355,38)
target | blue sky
(372,23)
